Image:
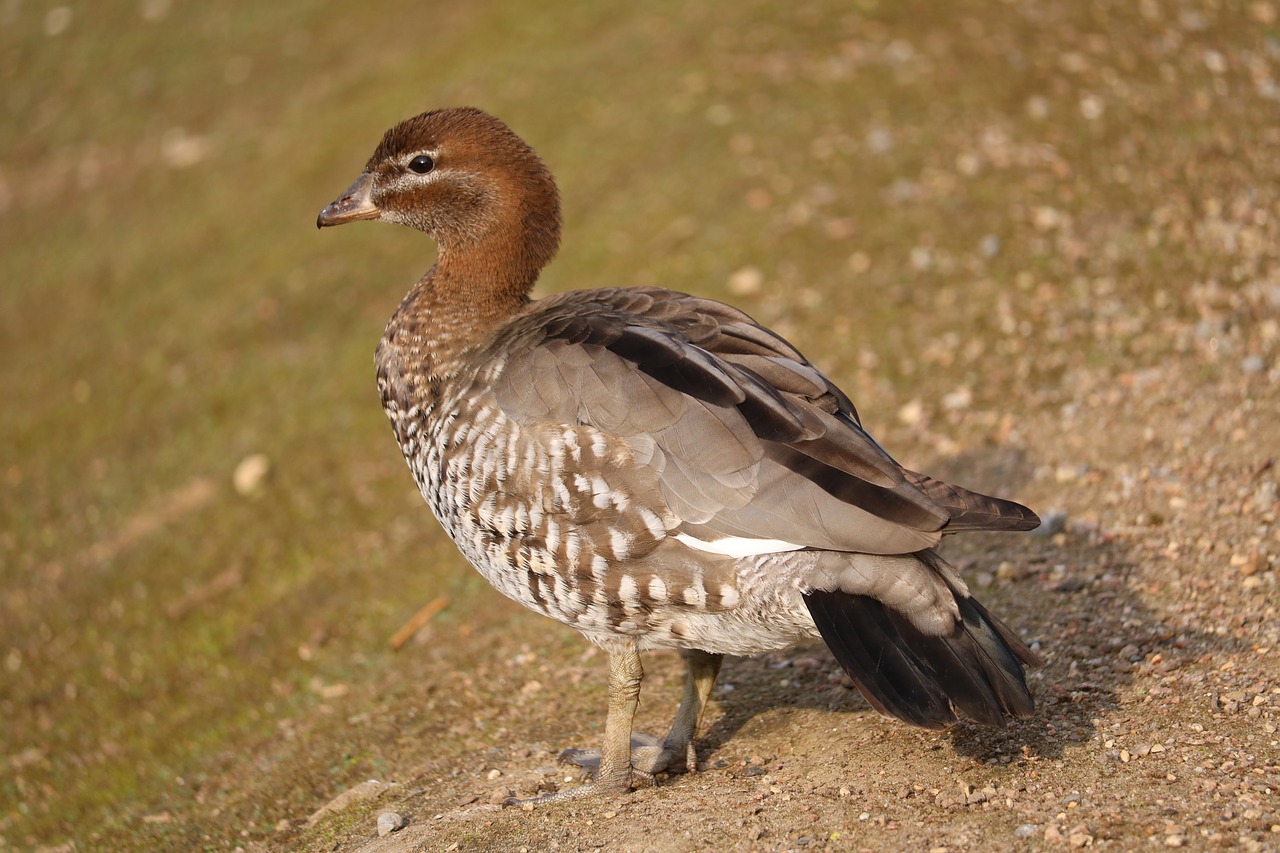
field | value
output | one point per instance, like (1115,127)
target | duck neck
(471,290)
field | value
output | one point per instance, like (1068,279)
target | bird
(656,469)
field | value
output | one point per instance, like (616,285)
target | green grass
(159,321)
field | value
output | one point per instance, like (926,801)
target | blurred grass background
(913,191)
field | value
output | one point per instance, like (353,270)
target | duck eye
(422,164)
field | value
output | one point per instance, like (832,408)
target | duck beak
(354,203)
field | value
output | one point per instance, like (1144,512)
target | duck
(656,469)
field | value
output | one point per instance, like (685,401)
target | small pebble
(1248,564)
(1008,571)
(251,473)
(1025,831)
(1052,523)
(1080,839)
(389,822)
(746,281)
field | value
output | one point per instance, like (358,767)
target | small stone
(1008,571)
(1080,837)
(495,773)
(1175,840)
(1253,364)
(1045,218)
(961,398)
(1092,107)
(500,795)
(1054,522)
(1248,564)
(746,281)
(251,473)
(182,150)
(389,822)
(1025,831)
(56,20)
(911,413)
(859,262)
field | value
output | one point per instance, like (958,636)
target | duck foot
(650,756)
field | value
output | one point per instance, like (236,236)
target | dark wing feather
(974,511)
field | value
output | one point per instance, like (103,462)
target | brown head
(463,177)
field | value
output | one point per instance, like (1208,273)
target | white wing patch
(738,546)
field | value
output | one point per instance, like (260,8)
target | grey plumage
(656,469)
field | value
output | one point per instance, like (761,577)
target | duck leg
(612,765)
(625,673)
(676,752)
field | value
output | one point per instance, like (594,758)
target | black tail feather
(905,673)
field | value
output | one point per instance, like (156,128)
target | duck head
(467,180)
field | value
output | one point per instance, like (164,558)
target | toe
(587,759)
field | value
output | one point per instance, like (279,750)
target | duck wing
(747,439)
